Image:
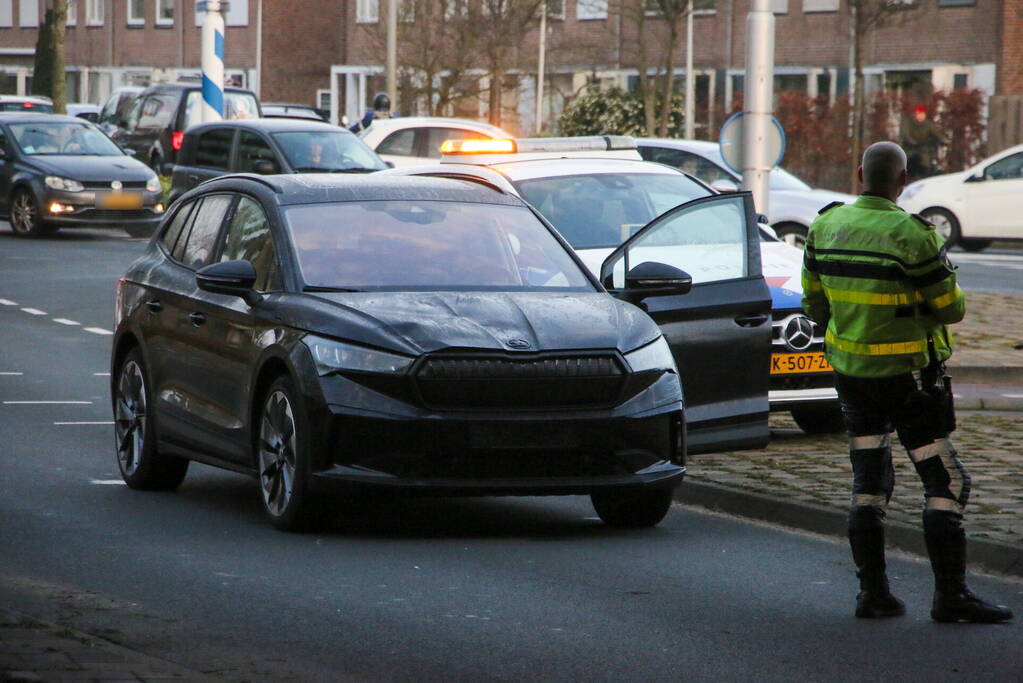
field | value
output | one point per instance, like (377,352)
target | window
(205,227)
(249,238)
(157,111)
(94,11)
(688,162)
(252,148)
(406,11)
(164,12)
(555,9)
(400,143)
(367,11)
(6,13)
(28,13)
(1009,168)
(956,3)
(136,12)
(213,150)
(170,236)
(237,13)
(591,9)
(72,12)
(820,6)
(780,6)
(455,7)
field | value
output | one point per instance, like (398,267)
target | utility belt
(934,397)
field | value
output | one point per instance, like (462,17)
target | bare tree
(48,72)
(501,26)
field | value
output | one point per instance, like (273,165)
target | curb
(986,374)
(994,557)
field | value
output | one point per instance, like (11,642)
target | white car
(413,140)
(600,194)
(792,204)
(975,206)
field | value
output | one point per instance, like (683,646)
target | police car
(602,197)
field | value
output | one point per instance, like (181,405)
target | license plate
(521,436)
(786,363)
(120,200)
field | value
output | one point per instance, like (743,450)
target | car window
(253,148)
(37,107)
(205,226)
(3,143)
(131,120)
(707,240)
(327,151)
(1009,168)
(400,142)
(237,105)
(605,209)
(109,107)
(690,163)
(157,111)
(213,148)
(170,236)
(436,136)
(249,238)
(410,245)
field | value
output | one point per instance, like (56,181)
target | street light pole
(758,102)
(392,53)
(690,77)
(212,60)
(540,68)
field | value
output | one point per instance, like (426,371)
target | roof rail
(252,176)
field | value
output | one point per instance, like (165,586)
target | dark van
(155,126)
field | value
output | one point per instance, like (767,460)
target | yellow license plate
(786,363)
(120,200)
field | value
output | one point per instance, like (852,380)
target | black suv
(268,146)
(155,126)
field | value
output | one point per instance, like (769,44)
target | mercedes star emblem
(798,333)
(116,184)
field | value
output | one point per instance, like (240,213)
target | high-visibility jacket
(880,280)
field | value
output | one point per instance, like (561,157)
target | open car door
(719,332)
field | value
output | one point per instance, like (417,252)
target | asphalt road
(433,589)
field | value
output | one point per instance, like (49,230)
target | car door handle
(197,318)
(193,177)
(751,319)
(154,306)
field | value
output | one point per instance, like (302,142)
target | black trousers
(872,407)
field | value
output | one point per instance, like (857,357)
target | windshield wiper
(321,288)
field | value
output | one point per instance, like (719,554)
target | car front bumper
(81,209)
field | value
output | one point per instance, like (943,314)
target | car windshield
(605,209)
(316,150)
(58,137)
(28,107)
(429,245)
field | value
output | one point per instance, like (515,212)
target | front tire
(819,420)
(142,465)
(282,445)
(945,224)
(632,509)
(26,216)
(792,234)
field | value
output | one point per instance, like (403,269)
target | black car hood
(92,168)
(421,322)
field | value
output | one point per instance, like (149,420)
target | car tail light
(27,105)
(177,137)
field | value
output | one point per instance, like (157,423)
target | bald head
(883,170)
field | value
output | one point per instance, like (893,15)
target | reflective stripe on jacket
(880,280)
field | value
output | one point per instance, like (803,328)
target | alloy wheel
(130,417)
(942,225)
(277,453)
(24,214)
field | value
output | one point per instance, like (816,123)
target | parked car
(290,110)
(973,207)
(792,204)
(597,192)
(62,171)
(84,110)
(413,140)
(39,105)
(115,110)
(155,125)
(268,146)
(401,333)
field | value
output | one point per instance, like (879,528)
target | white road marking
(65,321)
(101,374)
(11,374)
(34,311)
(38,403)
(8,302)
(107,482)
(97,330)
(83,423)
(1012,395)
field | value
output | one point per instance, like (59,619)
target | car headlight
(66,184)
(654,356)
(334,356)
(912,190)
(153,184)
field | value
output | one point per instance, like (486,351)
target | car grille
(469,382)
(105,185)
(780,319)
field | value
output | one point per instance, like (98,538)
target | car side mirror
(977,177)
(657,279)
(264,167)
(725,185)
(389,164)
(234,278)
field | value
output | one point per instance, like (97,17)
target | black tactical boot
(866,538)
(953,601)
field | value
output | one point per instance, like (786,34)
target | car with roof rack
(599,193)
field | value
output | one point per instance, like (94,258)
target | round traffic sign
(730,142)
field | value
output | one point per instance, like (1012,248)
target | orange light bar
(478,147)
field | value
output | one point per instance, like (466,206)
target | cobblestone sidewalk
(815,469)
(989,333)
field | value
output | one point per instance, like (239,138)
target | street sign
(730,142)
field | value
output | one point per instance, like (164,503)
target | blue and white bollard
(212,59)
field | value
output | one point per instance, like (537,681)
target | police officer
(381,110)
(880,281)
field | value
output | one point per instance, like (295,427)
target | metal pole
(392,53)
(540,68)
(259,50)
(212,61)
(758,102)
(690,77)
